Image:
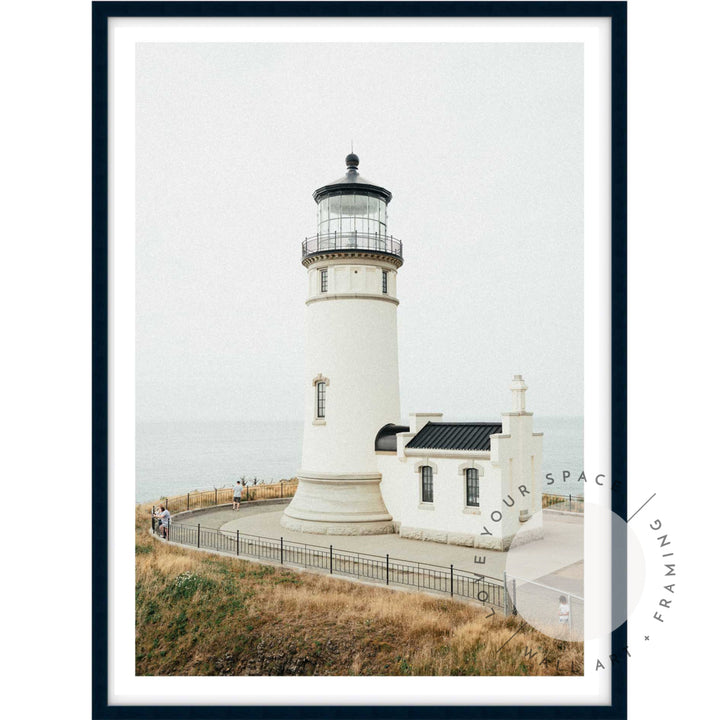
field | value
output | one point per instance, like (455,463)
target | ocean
(172,458)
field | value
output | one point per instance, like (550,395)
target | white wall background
(45,290)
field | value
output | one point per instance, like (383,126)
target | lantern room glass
(350,213)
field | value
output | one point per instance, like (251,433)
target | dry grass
(202,614)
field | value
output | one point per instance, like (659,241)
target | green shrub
(188,583)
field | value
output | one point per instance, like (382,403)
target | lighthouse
(351,384)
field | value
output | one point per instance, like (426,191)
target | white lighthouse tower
(351,365)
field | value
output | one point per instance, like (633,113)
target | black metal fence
(423,576)
(390,571)
(200,499)
(568,503)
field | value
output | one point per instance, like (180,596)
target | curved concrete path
(561,547)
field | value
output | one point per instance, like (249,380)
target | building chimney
(419,420)
(518,388)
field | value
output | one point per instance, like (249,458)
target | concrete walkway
(561,547)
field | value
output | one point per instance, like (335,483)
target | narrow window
(384,272)
(323,281)
(427,484)
(320,395)
(472,488)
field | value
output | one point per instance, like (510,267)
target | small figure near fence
(164,517)
(564,613)
(237,495)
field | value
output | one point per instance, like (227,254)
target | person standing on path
(564,614)
(164,522)
(237,495)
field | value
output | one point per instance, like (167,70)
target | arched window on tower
(320,384)
(320,391)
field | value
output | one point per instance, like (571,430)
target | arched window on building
(472,488)
(426,474)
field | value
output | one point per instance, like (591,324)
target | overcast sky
(482,148)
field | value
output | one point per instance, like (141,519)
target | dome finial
(352,160)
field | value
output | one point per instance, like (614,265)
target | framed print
(359,386)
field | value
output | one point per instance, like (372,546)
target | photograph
(359,353)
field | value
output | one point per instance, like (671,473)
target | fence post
(452,581)
(152,519)
(331,559)
(216,496)
(188,501)
(514,596)
(237,542)
(282,495)
(198,534)
(387,569)
(505,594)
(281,550)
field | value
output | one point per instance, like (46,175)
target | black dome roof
(386,438)
(352,181)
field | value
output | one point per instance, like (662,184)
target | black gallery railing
(352,241)
(391,571)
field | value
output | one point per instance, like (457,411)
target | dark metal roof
(352,181)
(386,439)
(455,436)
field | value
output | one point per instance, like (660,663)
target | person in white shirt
(564,613)
(164,517)
(237,495)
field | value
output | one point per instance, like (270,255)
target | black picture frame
(102,13)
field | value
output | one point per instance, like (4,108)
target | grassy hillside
(201,614)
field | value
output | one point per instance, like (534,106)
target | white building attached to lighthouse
(362,472)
